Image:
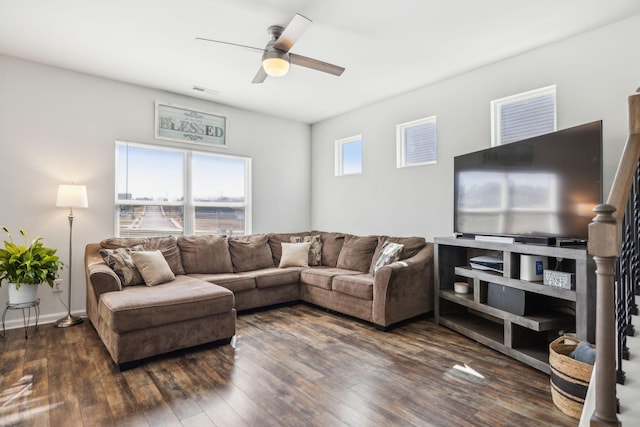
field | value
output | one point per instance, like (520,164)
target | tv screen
(544,186)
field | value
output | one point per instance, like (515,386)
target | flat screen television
(544,186)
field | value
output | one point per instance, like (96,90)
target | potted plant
(25,267)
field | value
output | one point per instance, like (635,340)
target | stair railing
(605,243)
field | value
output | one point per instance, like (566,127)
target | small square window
(348,156)
(523,116)
(416,142)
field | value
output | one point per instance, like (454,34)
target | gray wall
(58,126)
(594,73)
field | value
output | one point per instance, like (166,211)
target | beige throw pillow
(153,267)
(315,252)
(295,255)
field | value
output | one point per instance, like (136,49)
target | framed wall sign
(185,124)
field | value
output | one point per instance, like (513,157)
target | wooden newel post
(604,245)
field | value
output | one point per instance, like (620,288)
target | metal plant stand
(26,319)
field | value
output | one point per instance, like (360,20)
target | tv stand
(523,337)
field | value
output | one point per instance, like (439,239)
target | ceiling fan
(276,57)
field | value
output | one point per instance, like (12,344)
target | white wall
(594,73)
(58,126)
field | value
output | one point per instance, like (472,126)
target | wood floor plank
(287,366)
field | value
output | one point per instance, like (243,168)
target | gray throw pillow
(122,264)
(389,253)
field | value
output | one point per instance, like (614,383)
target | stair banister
(605,238)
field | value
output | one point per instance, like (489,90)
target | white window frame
(497,104)
(339,158)
(401,143)
(189,205)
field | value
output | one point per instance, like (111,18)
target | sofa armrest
(100,277)
(404,289)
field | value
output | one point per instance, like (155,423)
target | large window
(162,191)
(348,157)
(524,115)
(416,143)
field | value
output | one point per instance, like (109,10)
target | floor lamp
(71,196)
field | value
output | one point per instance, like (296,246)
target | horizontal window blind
(420,144)
(527,118)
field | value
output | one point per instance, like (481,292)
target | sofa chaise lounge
(143,304)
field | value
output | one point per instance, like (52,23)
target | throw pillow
(277,239)
(295,255)
(315,252)
(389,253)
(153,267)
(122,264)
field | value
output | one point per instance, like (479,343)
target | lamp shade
(72,196)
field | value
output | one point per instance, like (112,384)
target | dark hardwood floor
(289,366)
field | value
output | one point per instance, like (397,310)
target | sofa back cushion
(412,245)
(205,254)
(250,253)
(169,248)
(331,246)
(357,253)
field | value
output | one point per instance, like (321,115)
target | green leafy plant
(33,264)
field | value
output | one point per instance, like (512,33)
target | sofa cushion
(235,282)
(120,261)
(205,254)
(359,285)
(250,253)
(274,276)
(153,267)
(331,246)
(315,251)
(357,252)
(276,240)
(141,307)
(321,277)
(169,248)
(122,242)
(412,245)
(295,255)
(389,253)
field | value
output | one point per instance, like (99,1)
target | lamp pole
(71,196)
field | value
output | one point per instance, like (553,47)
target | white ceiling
(387,46)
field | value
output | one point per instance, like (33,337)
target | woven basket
(569,377)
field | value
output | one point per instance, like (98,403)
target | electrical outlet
(57,285)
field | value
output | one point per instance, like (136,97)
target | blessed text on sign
(185,124)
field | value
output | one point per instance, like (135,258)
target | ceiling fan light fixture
(275,67)
(275,63)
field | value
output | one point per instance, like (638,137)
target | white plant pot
(26,293)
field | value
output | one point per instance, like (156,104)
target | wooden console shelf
(523,337)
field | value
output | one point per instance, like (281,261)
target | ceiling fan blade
(292,33)
(203,40)
(315,64)
(260,77)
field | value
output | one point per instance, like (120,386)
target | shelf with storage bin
(523,337)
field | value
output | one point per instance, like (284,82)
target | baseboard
(44,319)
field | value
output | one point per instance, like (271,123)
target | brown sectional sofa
(213,276)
